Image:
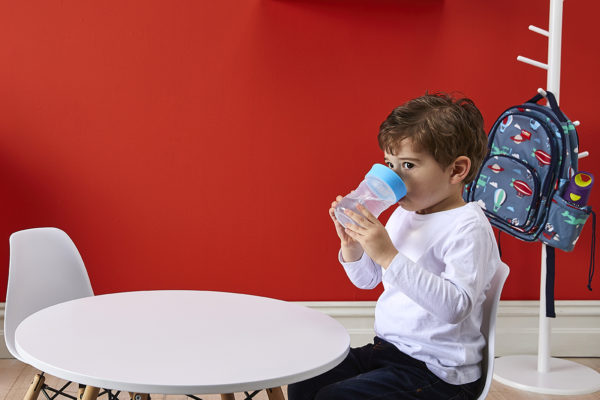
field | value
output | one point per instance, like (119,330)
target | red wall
(198,144)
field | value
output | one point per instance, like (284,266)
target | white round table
(181,342)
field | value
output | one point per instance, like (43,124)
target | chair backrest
(488,326)
(45,269)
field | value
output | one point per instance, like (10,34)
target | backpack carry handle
(553,104)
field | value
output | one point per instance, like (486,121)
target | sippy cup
(381,188)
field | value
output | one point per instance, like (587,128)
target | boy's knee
(299,391)
(335,391)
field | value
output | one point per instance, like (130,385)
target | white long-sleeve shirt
(431,306)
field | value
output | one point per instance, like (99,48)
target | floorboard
(15,378)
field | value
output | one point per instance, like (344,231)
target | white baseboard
(575,330)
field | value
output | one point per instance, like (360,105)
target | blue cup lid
(391,178)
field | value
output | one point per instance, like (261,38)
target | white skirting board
(575,330)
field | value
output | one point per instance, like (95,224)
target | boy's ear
(460,169)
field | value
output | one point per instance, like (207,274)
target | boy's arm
(449,296)
(364,273)
(350,253)
(372,236)
(360,268)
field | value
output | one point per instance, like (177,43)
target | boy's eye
(407,165)
(389,164)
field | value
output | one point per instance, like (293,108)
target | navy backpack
(532,155)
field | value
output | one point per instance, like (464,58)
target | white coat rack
(550,375)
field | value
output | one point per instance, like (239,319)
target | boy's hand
(351,249)
(372,236)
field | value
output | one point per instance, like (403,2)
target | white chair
(45,269)
(488,326)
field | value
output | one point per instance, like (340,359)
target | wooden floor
(15,378)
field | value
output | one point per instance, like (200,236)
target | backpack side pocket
(564,224)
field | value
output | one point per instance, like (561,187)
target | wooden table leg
(90,393)
(35,388)
(275,394)
(227,396)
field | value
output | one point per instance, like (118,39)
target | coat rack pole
(552,375)
(553,85)
(543,362)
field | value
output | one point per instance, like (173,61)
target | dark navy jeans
(380,371)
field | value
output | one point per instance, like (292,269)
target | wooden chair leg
(227,396)
(275,394)
(80,391)
(35,388)
(90,393)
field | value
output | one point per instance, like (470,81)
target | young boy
(435,257)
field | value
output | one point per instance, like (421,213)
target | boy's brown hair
(445,127)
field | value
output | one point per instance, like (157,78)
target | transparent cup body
(373,193)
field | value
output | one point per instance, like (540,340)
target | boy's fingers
(357,229)
(357,217)
(352,234)
(365,211)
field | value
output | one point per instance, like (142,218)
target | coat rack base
(563,378)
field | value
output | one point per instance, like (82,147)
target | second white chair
(45,269)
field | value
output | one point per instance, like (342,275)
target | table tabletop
(181,342)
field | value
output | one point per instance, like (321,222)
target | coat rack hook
(539,30)
(532,62)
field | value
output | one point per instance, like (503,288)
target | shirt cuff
(351,263)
